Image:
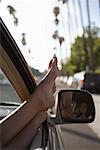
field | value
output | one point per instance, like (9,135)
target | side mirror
(76,106)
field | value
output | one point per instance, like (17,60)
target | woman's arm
(40,100)
(24,139)
(12,124)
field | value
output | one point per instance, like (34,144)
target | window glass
(7,92)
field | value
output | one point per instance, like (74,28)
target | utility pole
(75,17)
(68,21)
(83,36)
(90,38)
(99,7)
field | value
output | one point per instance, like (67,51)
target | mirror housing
(74,106)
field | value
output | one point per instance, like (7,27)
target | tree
(23,40)
(12,12)
(76,62)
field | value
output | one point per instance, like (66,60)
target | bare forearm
(24,139)
(20,118)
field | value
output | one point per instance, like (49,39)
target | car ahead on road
(72,106)
(87,81)
(91,82)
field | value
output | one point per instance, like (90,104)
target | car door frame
(10,52)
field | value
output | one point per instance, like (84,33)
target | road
(80,136)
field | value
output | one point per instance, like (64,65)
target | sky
(36,19)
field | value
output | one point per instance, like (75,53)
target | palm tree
(23,39)
(12,12)
(29,51)
(63,1)
(15,21)
(56,11)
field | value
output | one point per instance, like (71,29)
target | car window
(7,91)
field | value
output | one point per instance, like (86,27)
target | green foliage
(98,70)
(97,52)
(80,59)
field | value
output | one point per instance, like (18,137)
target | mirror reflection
(76,106)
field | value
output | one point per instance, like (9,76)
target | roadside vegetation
(81,57)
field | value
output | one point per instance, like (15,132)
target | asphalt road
(79,137)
